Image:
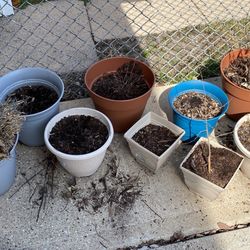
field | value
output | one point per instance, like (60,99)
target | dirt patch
(238,72)
(244,134)
(197,106)
(223,164)
(156,139)
(33,99)
(115,190)
(78,134)
(126,83)
(74,86)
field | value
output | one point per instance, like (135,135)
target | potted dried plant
(120,88)
(38,92)
(235,76)
(197,106)
(79,138)
(152,139)
(10,124)
(209,168)
(242,141)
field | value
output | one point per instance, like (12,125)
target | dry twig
(10,125)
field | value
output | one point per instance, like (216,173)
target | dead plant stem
(27,181)
(152,209)
(209,156)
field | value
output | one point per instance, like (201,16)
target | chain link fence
(180,39)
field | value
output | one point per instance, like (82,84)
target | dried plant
(10,124)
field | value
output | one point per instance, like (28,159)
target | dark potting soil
(126,83)
(223,164)
(78,134)
(244,134)
(33,99)
(239,72)
(197,106)
(156,139)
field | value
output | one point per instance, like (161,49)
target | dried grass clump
(10,124)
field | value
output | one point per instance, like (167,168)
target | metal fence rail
(180,39)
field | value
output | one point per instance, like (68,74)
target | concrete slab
(120,19)
(53,34)
(166,205)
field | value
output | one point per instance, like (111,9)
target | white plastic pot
(245,167)
(143,155)
(85,164)
(198,184)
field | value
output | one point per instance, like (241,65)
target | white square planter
(198,184)
(143,155)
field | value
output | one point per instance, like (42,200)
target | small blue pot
(8,170)
(33,127)
(196,128)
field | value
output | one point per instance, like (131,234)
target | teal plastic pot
(8,170)
(196,128)
(33,127)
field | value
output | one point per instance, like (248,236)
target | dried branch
(10,125)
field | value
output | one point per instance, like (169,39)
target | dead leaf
(223,226)
(177,236)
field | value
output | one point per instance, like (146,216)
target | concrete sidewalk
(165,208)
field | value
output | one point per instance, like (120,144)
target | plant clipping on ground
(10,124)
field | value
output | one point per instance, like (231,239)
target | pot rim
(214,144)
(32,80)
(67,113)
(204,92)
(113,100)
(222,68)
(237,141)
(12,149)
(141,123)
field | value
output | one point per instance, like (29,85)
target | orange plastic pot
(122,113)
(239,98)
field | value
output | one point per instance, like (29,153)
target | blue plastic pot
(33,127)
(8,170)
(196,128)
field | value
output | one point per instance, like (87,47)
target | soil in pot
(223,164)
(156,139)
(197,106)
(238,72)
(126,83)
(33,99)
(244,134)
(78,134)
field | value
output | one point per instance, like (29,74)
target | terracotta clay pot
(239,98)
(122,113)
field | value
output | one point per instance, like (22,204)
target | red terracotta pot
(122,113)
(239,98)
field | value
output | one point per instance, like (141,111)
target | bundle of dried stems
(10,124)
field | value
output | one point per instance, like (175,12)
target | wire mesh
(180,39)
